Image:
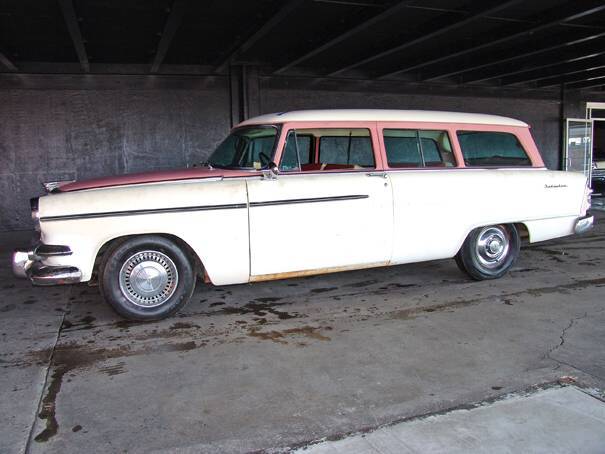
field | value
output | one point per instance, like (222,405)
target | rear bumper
(584,224)
(27,263)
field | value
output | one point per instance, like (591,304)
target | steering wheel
(264,159)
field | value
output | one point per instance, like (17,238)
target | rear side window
(418,148)
(491,149)
(325,149)
(348,150)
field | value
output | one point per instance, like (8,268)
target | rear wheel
(489,252)
(146,278)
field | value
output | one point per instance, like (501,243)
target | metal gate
(578,146)
(579,140)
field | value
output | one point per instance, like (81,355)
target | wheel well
(523,231)
(197,262)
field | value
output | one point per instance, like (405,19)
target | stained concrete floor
(282,364)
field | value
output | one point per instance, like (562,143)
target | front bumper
(584,224)
(28,263)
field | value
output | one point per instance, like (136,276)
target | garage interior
(96,87)
(99,87)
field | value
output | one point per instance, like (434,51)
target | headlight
(35,213)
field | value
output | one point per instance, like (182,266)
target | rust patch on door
(314,272)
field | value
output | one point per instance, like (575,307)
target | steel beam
(175,18)
(517,56)
(503,76)
(343,36)
(551,22)
(426,36)
(5,61)
(570,76)
(266,28)
(69,13)
(588,83)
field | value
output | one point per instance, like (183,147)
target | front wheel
(489,252)
(146,278)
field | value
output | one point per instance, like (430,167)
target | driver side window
(297,152)
(324,149)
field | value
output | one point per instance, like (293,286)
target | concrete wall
(50,134)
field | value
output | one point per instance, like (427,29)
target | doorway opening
(585,149)
(598,158)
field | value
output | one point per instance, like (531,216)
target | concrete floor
(282,364)
(515,424)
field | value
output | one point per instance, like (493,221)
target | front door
(323,212)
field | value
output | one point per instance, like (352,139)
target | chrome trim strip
(310,200)
(52,250)
(140,212)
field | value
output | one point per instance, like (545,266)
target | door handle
(377,174)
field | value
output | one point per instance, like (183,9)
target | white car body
(256,225)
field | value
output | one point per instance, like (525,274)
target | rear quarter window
(491,149)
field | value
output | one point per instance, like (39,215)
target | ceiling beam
(175,18)
(343,36)
(517,56)
(571,76)
(5,61)
(504,75)
(438,31)
(550,22)
(261,32)
(588,83)
(71,20)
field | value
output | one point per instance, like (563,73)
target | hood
(151,177)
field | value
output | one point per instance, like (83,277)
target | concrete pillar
(244,92)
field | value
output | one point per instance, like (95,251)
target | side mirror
(271,172)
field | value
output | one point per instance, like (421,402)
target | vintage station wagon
(308,192)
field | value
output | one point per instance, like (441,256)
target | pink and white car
(308,192)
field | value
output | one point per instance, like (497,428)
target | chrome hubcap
(148,278)
(492,246)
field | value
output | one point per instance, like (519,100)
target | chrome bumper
(27,263)
(584,224)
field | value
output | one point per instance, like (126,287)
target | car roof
(432,116)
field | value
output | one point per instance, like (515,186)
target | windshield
(246,148)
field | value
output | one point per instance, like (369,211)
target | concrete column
(244,92)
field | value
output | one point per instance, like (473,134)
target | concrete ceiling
(542,44)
